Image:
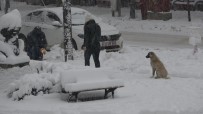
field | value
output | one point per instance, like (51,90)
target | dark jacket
(37,38)
(36,41)
(92,35)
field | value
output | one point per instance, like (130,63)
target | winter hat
(87,18)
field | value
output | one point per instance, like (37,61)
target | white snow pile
(195,35)
(89,79)
(31,84)
(45,81)
(11,20)
(11,57)
(55,53)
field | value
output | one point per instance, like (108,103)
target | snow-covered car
(51,22)
(182,4)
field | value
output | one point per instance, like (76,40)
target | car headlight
(81,36)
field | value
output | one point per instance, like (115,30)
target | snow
(91,79)
(12,59)
(11,20)
(93,85)
(25,85)
(181,94)
(195,35)
(78,15)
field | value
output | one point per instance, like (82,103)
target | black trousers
(95,54)
(34,53)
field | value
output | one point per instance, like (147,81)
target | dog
(157,66)
(43,51)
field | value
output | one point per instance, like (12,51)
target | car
(198,4)
(51,22)
(182,4)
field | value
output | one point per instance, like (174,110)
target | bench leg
(69,97)
(108,91)
(113,93)
(76,96)
(105,94)
(73,94)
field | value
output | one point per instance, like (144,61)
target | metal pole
(132,9)
(67,23)
(188,9)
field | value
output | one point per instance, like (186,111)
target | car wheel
(198,6)
(23,37)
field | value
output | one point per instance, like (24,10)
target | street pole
(67,23)
(188,9)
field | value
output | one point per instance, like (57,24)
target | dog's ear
(152,53)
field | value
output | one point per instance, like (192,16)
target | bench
(77,81)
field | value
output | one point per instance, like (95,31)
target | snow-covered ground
(181,94)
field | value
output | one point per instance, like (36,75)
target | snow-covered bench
(74,82)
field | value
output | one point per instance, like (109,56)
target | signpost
(67,23)
(188,9)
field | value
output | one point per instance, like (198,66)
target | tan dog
(157,66)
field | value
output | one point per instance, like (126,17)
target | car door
(54,33)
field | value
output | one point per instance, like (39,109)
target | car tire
(198,6)
(24,38)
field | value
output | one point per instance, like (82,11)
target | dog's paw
(157,77)
(152,77)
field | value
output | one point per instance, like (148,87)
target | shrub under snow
(31,84)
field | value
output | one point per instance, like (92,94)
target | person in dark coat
(92,35)
(36,41)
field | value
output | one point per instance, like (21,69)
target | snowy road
(135,38)
(150,37)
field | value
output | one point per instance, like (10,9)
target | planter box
(159,15)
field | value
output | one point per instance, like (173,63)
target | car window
(51,17)
(36,16)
